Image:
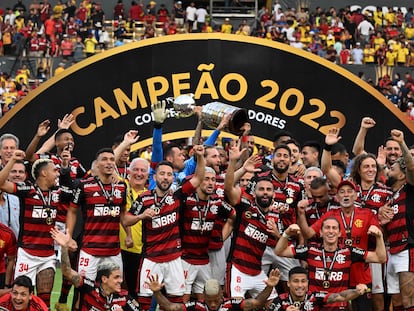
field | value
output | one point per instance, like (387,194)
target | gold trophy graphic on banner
(212,113)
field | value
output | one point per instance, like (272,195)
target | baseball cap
(346,182)
(211,287)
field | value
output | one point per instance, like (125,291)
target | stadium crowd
(207,224)
(74,31)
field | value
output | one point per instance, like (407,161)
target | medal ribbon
(46,204)
(158,204)
(317,211)
(281,182)
(365,198)
(261,214)
(325,275)
(396,194)
(49,196)
(124,174)
(108,196)
(201,218)
(347,228)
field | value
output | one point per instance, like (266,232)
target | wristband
(327,147)
(157,125)
(244,139)
(285,235)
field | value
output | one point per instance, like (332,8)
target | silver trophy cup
(212,113)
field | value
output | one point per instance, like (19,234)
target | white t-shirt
(357,55)
(190,13)
(365,28)
(276,7)
(201,14)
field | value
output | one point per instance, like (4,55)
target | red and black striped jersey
(287,194)
(314,211)
(374,197)
(397,228)
(198,222)
(92,299)
(216,238)
(250,237)
(76,168)
(313,302)
(38,216)
(329,270)
(101,212)
(161,234)
(361,221)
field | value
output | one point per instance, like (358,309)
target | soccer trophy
(212,113)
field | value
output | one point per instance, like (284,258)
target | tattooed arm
(348,294)
(63,240)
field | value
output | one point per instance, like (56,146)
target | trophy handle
(183,105)
(170,100)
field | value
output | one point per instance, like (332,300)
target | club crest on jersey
(116,307)
(308,306)
(290,192)
(117,193)
(340,259)
(55,197)
(275,306)
(376,198)
(169,200)
(214,209)
(359,223)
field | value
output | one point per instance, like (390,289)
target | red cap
(346,182)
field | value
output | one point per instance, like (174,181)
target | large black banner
(280,86)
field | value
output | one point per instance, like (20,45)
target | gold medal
(113,213)
(296,304)
(289,200)
(326,284)
(348,242)
(49,221)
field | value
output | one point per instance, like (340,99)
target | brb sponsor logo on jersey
(255,234)
(162,221)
